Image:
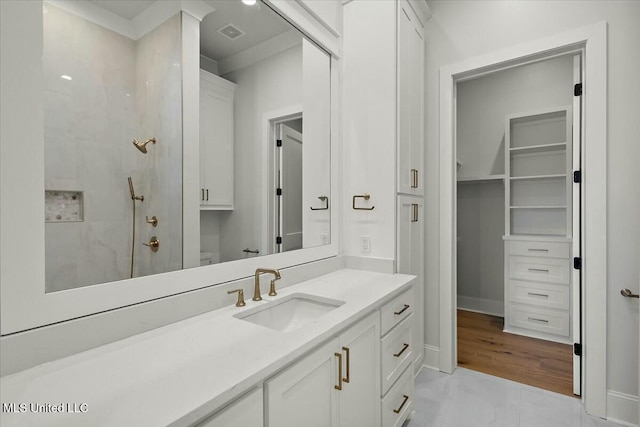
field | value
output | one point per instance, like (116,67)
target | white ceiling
(258,22)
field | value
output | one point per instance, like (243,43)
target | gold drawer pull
(346,350)
(539,270)
(533,319)
(414,178)
(398,313)
(537,250)
(535,294)
(404,401)
(339,356)
(404,347)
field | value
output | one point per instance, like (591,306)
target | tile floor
(473,399)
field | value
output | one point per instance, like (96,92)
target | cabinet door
(216,142)
(410,142)
(360,396)
(244,412)
(305,394)
(411,259)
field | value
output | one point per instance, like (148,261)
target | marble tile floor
(473,399)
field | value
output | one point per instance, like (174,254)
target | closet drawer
(398,403)
(539,319)
(537,248)
(397,352)
(551,270)
(395,311)
(547,295)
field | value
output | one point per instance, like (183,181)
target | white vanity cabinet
(216,142)
(247,411)
(337,384)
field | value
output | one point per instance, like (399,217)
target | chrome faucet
(272,289)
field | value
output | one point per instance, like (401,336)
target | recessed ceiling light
(64,76)
(249,2)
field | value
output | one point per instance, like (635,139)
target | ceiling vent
(231,32)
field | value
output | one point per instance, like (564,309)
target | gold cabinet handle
(398,313)
(339,356)
(207,194)
(414,178)
(404,348)
(202,194)
(404,401)
(414,212)
(346,350)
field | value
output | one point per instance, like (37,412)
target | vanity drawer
(397,352)
(539,249)
(395,311)
(539,319)
(541,294)
(551,270)
(398,403)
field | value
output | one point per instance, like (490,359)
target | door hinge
(577,263)
(278,143)
(278,191)
(278,240)
(577,176)
(577,89)
(577,349)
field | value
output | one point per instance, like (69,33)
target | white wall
(465,29)
(482,105)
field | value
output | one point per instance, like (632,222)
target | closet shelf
(480,179)
(535,149)
(533,177)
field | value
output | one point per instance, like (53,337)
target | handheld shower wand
(133,193)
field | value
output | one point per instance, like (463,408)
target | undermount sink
(290,312)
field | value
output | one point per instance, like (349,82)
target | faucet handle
(272,288)
(240,292)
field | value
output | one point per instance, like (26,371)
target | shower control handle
(153,244)
(153,221)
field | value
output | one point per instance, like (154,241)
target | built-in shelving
(535,149)
(535,177)
(479,179)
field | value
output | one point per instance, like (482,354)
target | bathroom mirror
(113,141)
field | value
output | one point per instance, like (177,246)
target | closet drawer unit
(547,295)
(539,249)
(397,352)
(395,311)
(539,319)
(534,269)
(398,403)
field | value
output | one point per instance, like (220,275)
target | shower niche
(63,206)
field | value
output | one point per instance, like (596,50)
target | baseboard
(417,364)
(481,305)
(622,408)
(379,265)
(431,358)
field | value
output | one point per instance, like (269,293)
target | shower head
(142,146)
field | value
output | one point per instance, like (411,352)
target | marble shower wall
(101,91)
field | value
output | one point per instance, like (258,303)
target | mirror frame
(24,304)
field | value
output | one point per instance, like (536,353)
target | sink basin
(290,312)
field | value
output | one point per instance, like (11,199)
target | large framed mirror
(127,202)
(114,152)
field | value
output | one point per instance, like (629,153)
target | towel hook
(325,199)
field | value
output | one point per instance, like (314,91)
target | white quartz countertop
(177,374)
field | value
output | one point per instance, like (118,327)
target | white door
(576,282)
(360,394)
(305,394)
(290,184)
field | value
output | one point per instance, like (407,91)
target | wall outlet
(365,244)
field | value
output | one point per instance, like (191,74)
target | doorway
(515,154)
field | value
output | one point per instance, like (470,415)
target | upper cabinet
(410,84)
(216,142)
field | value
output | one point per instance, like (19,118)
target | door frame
(270,120)
(593,41)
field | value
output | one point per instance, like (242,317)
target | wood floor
(482,346)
